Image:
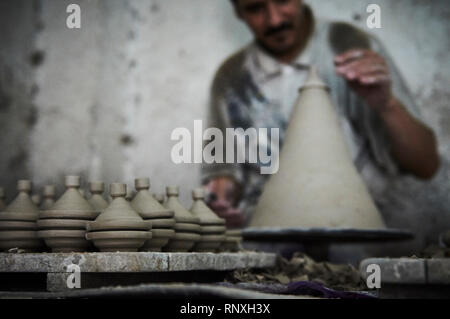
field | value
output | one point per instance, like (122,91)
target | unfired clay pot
(150,209)
(119,227)
(187,227)
(212,226)
(48,194)
(97,201)
(317,184)
(63,227)
(232,241)
(18,222)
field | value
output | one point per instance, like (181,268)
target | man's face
(275,23)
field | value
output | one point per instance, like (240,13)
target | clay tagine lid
(21,208)
(119,215)
(97,201)
(182,215)
(159,198)
(71,204)
(145,204)
(48,193)
(202,211)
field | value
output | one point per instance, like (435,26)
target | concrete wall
(102,101)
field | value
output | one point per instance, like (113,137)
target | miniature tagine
(150,209)
(49,197)
(187,227)
(119,227)
(212,226)
(18,222)
(63,227)
(97,201)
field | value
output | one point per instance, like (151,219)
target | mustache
(282,27)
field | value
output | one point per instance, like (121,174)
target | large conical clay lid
(182,215)
(317,184)
(119,215)
(145,204)
(202,211)
(71,204)
(97,201)
(21,208)
(49,194)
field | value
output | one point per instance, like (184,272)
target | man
(257,87)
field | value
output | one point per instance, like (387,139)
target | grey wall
(102,101)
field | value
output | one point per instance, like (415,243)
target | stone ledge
(122,262)
(410,270)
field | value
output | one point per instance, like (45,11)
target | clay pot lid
(202,211)
(159,198)
(313,80)
(213,229)
(17,225)
(17,234)
(182,215)
(119,235)
(163,223)
(188,228)
(61,224)
(61,233)
(119,224)
(71,204)
(145,204)
(98,202)
(21,208)
(96,187)
(119,210)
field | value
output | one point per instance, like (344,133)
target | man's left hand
(368,74)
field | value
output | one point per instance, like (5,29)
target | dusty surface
(302,268)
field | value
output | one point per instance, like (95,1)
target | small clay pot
(119,240)
(145,204)
(63,226)
(65,241)
(160,238)
(18,221)
(48,194)
(119,227)
(97,201)
(182,215)
(202,211)
(182,242)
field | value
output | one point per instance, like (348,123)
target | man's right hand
(223,195)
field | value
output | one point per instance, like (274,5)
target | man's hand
(223,194)
(368,74)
